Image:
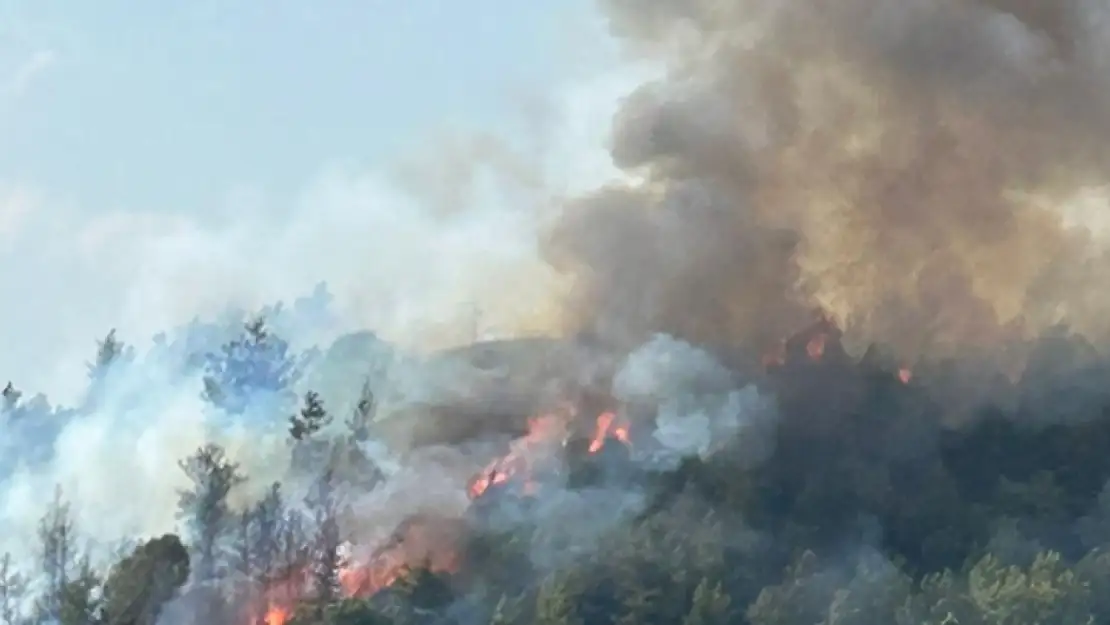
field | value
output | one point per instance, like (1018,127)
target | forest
(850,495)
(692,446)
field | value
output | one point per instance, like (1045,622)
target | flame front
(608,426)
(544,430)
(545,434)
(275,615)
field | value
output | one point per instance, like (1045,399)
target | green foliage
(711,605)
(344,612)
(555,602)
(61,565)
(109,351)
(13,586)
(1045,592)
(80,602)
(423,589)
(204,507)
(139,585)
(868,511)
(312,418)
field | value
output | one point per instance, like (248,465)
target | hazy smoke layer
(910,165)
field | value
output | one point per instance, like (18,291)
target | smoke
(416,272)
(932,172)
(698,405)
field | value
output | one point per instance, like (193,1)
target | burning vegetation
(692,444)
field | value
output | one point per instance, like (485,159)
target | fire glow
(545,433)
(421,541)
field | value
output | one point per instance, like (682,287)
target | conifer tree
(204,507)
(312,418)
(324,503)
(56,552)
(13,587)
(11,396)
(109,352)
(255,367)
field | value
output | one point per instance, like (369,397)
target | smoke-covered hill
(832,351)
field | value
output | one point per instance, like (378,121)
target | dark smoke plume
(906,165)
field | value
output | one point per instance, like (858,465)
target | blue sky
(162,160)
(165,106)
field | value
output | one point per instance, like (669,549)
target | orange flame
(428,542)
(542,430)
(816,346)
(608,426)
(276,615)
(905,374)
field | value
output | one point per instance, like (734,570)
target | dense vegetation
(872,508)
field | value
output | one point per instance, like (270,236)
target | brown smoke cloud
(903,164)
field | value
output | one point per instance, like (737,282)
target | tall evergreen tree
(110,351)
(80,602)
(57,557)
(204,507)
(359,425)
(13,589)
(269,516)
(312,418)
(324,503)
(10,396)
(255,368)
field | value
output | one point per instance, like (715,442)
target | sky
(163,161)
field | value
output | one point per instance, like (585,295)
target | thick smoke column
(907,165)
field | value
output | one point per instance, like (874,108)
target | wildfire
(422,540)
(905,374)
(275,615)
(544,433)
(608,426)
(816,346)
(543,430)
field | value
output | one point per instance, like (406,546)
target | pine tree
(13,587)
(244,543)
(310,453)
(80,597)
(11,396)
(324,502)
(256,366)
(204,507)
(312,418)
(268,515)
(360,422)
(109,352)
(57,557)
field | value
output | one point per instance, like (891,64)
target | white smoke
(699,406)
(412,273)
